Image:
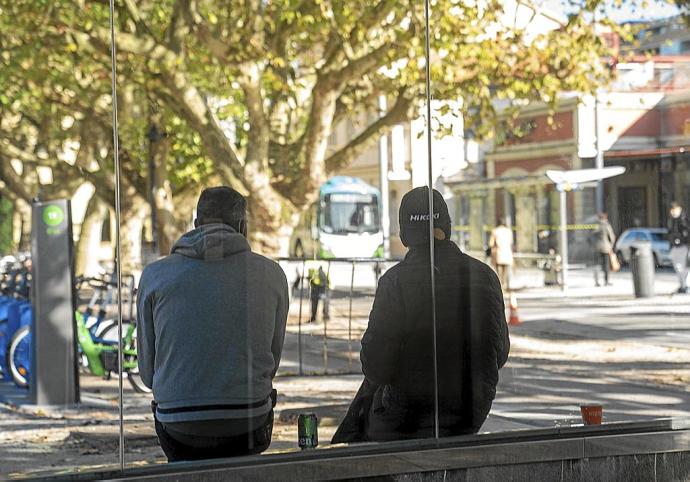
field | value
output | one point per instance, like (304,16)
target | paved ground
(591,345)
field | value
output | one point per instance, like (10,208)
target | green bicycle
(98,352)
(101,352)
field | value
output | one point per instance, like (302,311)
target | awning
(476,184)
(647,152)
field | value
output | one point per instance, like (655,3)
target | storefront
(653,179)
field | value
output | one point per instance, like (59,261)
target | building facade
(644,126)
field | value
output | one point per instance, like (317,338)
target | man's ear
(242,227)
(196,223)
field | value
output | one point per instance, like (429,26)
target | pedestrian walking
(604,240)
(501,245)
(679,237)
(320,290)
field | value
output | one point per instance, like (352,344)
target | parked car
(661,248)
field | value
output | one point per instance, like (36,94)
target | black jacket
(472,341)
(678,230)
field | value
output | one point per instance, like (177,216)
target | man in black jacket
(397,398)
(679,237)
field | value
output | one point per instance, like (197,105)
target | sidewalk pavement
(580,284)
(586,345)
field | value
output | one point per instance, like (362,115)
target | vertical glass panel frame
(265,122)
(299,96)
(510,120)
(56,181)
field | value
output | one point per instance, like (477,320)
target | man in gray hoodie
(211,324)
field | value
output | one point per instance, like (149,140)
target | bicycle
(15,308)
(100,352)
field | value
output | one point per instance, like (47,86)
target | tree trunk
(22,226)
(167,228)
(268,212)
(268,231)
(89,242)
(131,231)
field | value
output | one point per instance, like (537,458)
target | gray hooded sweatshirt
(211,324)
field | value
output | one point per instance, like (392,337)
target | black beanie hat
(414,216)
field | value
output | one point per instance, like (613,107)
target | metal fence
(352,296)
(338,333)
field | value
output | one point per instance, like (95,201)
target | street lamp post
(566,181)
(383,176)
(153,135)
(599,161)
(562,191)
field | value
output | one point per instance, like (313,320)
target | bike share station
(51,345)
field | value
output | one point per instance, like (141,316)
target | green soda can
(307,431)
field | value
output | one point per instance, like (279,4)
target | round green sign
(53,215)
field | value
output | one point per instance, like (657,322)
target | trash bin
(642,267)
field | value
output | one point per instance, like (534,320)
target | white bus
(344,223)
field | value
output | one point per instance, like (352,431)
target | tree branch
(179,24)
(180,94)
(259,131)
(12,180)
(400,112)
(185,100)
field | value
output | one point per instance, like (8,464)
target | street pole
(153,135)
(383,177)
(599,161)
(564,236)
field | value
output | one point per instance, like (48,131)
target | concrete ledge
(558,454)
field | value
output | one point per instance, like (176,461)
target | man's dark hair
(221,204)
(676,204)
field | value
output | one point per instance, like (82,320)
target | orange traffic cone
(514,319)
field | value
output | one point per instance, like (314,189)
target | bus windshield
(350,213)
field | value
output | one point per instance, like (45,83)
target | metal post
(118,240)
(432,265)
(564,236)
(349,320)
(152,199)
(599,161)
(383,177)
(325,319)
(299,319)
(153,135)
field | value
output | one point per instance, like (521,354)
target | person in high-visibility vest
(319,282)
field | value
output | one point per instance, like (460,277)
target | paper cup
(591,413)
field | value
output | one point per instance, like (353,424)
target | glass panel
(56,190)
(306,110)
(317,115)
(580,332)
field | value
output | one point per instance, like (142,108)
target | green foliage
(6,211)
(279,74)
